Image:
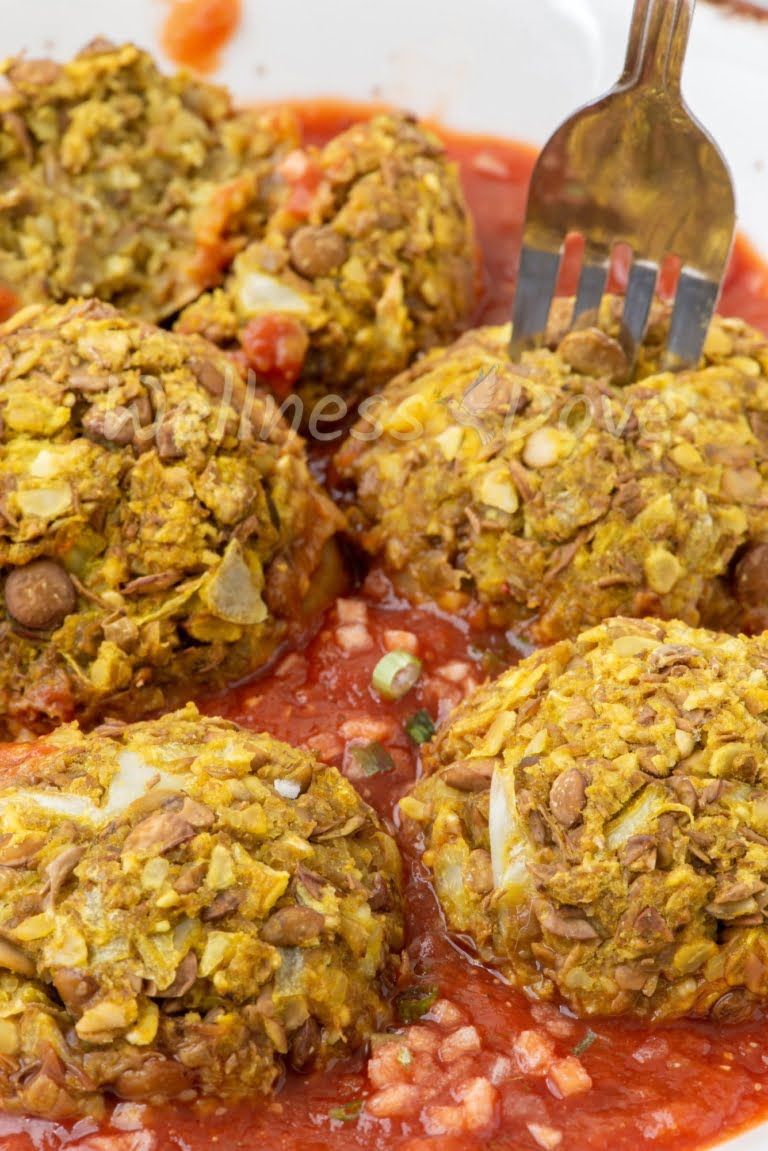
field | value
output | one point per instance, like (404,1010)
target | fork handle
(658,38)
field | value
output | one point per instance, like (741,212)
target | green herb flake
(411,1004)
(373,759)
(420,727)
(585,1043)
(346,1112)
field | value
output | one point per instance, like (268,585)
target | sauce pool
(676,1088)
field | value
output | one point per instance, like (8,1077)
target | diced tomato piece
(275,347)
(16,757)
(211,261)
(8,303)
(216,246)
(304,176)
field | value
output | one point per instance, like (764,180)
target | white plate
(513,67)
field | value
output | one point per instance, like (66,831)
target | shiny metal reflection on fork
(632,168)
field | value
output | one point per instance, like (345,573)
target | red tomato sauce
(195,32)
(674,1088)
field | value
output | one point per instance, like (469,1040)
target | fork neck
(658,38)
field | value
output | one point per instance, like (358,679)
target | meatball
(158,525)
(596,820)
(122,183)
(185,908)
(369,259)
(554,495)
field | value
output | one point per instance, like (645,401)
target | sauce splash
(195,32)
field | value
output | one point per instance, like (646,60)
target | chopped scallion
(420,726)
(411,1004)
(346,1112)
(585,1043)
(373,758)
(395,674)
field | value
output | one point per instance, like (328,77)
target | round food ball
(596,820)
(159,526)
(554,495)
(369,259)
(123,183)
(185,908)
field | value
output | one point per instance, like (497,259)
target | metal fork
(633,167)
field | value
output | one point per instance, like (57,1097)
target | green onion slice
(373,758)
(585,1042)
(420,727)
(411,1004)
(395,674)
(346,1112)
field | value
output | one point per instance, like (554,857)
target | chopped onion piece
(288,788)
(260,293)
(130,782)
(45,503)
(509,845)
(640,816)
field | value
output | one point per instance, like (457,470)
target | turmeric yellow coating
(555,494)
(596,820)
(119,182)
(375,263)
(158,526)
(184,907)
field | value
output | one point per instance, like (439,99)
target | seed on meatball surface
(625,817)
(553,493)
(187,907)
(158,525)
(370,257)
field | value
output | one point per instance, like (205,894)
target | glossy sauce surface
(676,1088)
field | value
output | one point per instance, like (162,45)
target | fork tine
(591,287)
(694,307)
(635,42)
(637,301)
(537,278)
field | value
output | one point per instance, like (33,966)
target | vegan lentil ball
(368,260)
(122,183)
(596,820)
(158,526)
(554,493)
(185,908)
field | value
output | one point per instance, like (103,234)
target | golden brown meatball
(596,820)
(369,260)
(554,496)
(153,532)
(185,907)
(119,182)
